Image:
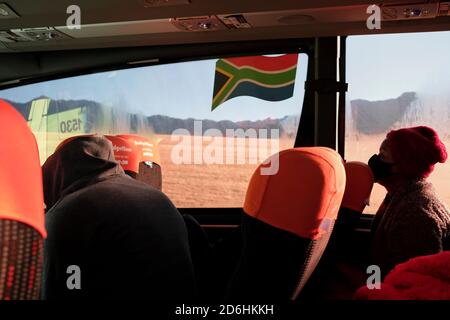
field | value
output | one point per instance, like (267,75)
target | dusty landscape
(203,185)
(224,185)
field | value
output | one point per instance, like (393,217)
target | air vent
(444,9)
(8,37)
(6,12)
(235,21)
(202,23)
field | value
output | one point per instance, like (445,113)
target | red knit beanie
(416,150)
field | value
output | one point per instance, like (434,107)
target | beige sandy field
(224,185)
(214,185)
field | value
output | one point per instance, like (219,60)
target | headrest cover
(358,187)
(307,189)
(126,154)
(148,149)
(21,191)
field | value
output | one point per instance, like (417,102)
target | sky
(180,90)
(384,66)
(378,67)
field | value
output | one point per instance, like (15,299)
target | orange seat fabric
(308,188)
(148,148)
(22,227)
(21,189)
(358,186)
(125,153)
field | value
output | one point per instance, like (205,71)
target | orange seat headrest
(21,188)
(126,154)
(358,187)
(148,149)
(307,189)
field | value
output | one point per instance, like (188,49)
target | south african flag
(263,77)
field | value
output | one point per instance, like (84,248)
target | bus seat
(335,277)
(150,163)
(22,227)
(359,184)
(125,154)
(288,218)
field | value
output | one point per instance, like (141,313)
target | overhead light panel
(32,34)
(425,10)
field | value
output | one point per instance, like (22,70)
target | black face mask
(380,169)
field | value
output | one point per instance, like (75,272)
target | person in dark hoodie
(130,156)
(411,221)
(126,239)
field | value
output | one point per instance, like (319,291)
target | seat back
(126,154)
(330,279)
(358,187)
(149,169)
(21,209)
(288,218)
(356,197)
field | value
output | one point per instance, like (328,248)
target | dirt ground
(224,185)
(209,185)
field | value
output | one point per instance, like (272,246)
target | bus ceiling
(46,40)
(39,25)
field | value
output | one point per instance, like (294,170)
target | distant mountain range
(166,125)
(374,117)
(368,117)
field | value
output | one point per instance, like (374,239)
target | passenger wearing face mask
(411,221)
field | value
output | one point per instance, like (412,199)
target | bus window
(395,81)
(187,109)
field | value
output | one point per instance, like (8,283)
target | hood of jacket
(77,162)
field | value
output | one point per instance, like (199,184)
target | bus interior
(162,74)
